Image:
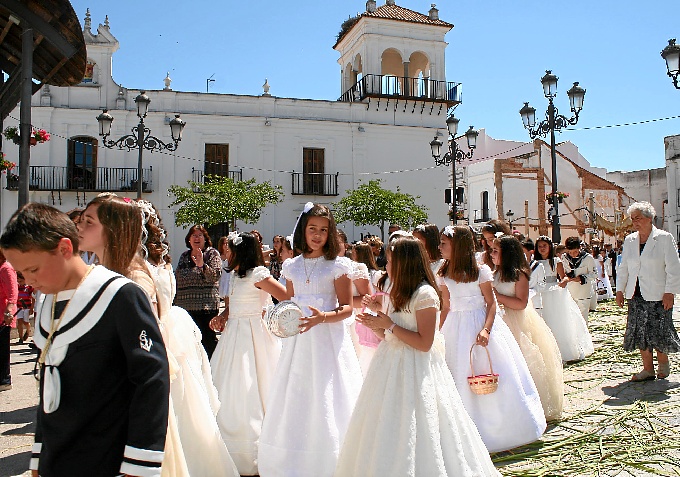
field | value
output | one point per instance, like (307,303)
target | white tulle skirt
(542,355)
(315,387)
(564,318)
(194,439)
(511,416)
(409,420)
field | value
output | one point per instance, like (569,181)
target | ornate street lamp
(141,137)
(672,56)
(454,154)
(553,122)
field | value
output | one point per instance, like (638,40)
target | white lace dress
(195,439)
(562,315)
(540,351)
(316,383)
(409,420)
(511,416)
(243,366)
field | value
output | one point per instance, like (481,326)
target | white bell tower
(397,46)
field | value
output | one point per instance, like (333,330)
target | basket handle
(472,369)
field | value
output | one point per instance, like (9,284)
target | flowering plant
(37,135)
(558,194)
(5,165)
(40,135)
(11,132)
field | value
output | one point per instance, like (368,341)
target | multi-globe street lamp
(141,137)
(553,122)
(672,56)
(453,155)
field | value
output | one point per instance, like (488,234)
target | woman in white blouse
(649,278)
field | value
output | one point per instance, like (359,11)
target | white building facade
(395,99)
(509,180)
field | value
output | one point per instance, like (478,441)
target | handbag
(283,319)
(482,383)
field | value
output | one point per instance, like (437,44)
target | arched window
(82,163)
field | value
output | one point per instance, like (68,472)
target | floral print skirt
(650,327)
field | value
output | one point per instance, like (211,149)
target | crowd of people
(417,356)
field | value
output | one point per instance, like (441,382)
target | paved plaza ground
(610,427)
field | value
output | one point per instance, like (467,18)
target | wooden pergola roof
(59,53)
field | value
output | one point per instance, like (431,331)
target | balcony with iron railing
(314,183)
(199,176)
(101,179)
(401,87)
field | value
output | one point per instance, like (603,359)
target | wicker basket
(283,319)
(482,383)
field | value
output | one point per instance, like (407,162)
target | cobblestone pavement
(610,427)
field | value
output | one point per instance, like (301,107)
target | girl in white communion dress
(318,378)
(409,419)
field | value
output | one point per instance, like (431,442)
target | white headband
(308,206)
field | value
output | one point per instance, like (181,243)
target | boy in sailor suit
(104,380)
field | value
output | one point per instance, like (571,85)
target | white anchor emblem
(144,341)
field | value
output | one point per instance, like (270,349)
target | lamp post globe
(105,120)
(672,56)
(452,125)
(176,128)
(528,115)
(549,82)
(471,136)
(142,101)
(576,95)
(436,146)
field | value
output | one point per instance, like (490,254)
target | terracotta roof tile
(395,12)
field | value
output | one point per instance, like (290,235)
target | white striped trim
(139,470)
(37,447)
(143,454)
(33,464)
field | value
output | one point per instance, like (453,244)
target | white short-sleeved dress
(243,366)
(316,382)
(409,420)
(562,315)
(513,415)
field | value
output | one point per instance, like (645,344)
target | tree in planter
(370,204)
(221,199)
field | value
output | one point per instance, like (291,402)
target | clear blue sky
(498,49)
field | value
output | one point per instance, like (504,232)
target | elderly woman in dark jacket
(649,277)
(198,274)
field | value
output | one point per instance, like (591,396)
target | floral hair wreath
(499,234)
(420,228)
(149,216)
(289,240)
(235,238)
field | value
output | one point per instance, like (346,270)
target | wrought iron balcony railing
(401,87)
(314,183)
(101,179)
(199,176)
